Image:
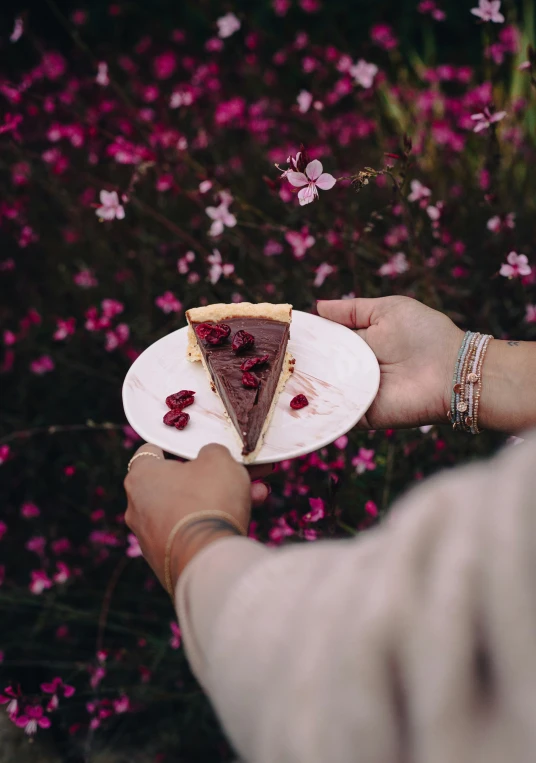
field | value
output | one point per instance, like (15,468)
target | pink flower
(485,119)
(220,215)
(281,7)
(53,64)
(18,29)
(168,303)
(382,35)
(312,179)
(175,640)
(397,264)
(62,575)
(280,530)
(40,582)
(133,549)
(496,223)
(418,191)
(272,248)
(516,265)
(85,279)
(164,65)
(305,100)
(364,461)
(341,442)
(64,328)
(205,186)
(4,454)
(227,25)
(530,315)
(121,704)
(42,365)
(103,538)
(217,267)
(363,73)
(31,718)
(180,98)
(56,686)
(3,529)
(102,77)
(29,510)
(37,544)
(317,512)
(111,208)
(488,10)
(11,699)
(322,271)
(371,509)
(300,241)
(111,308)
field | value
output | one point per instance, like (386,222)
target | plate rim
(305,450)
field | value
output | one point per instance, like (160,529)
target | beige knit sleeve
(415,643)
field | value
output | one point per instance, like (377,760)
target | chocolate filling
(248,408)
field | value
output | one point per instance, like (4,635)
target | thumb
(354,313)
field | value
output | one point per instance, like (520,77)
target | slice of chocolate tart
(243,348)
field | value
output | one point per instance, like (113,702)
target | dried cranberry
(249,380)
(181,399)
(213,333)
(242,341)
(182,421)
(250,363)
(300,401)
(172,416)
(202,329)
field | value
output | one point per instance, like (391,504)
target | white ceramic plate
(335,369)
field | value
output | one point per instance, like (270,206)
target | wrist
(192,539)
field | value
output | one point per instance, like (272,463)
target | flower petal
(307,194)
(314,170)
(326,181)
(297,179)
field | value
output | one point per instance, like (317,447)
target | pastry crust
(220,312)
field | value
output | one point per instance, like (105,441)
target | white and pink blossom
(485,119)
(220,215)
(133,549)
(516,265)
(364,461)
(304,100)
(396,265)
(217,267)
(530,315)
(168,303)
(228,25)
(110,208)
(489,10)
(419,192)
(310,181)
(102,77)
(300,241)
(322,272)
(18,29)
(363,73)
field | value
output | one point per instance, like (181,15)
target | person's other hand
(161,492)
(416,348)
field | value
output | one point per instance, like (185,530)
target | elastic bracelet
(186,521)
(467,382)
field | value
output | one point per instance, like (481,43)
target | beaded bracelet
(467,382)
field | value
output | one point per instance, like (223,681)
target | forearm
(508,397)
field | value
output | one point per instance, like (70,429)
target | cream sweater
(413,643)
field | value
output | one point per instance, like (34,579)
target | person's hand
(161,492)
(416,348)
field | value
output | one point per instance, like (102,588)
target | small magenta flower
(18,29)
(312,179)
(364,461)
(168,303)
(31,718)
(516,265)
(488,10)
(111,208)
(530,315)
(485,119)
(175,640)
(4,455)
(56,686)
(227,25)
(317,512)
(42,365)
(419,191)
(40,582)
(300,241)
(133,549)
(11,698)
